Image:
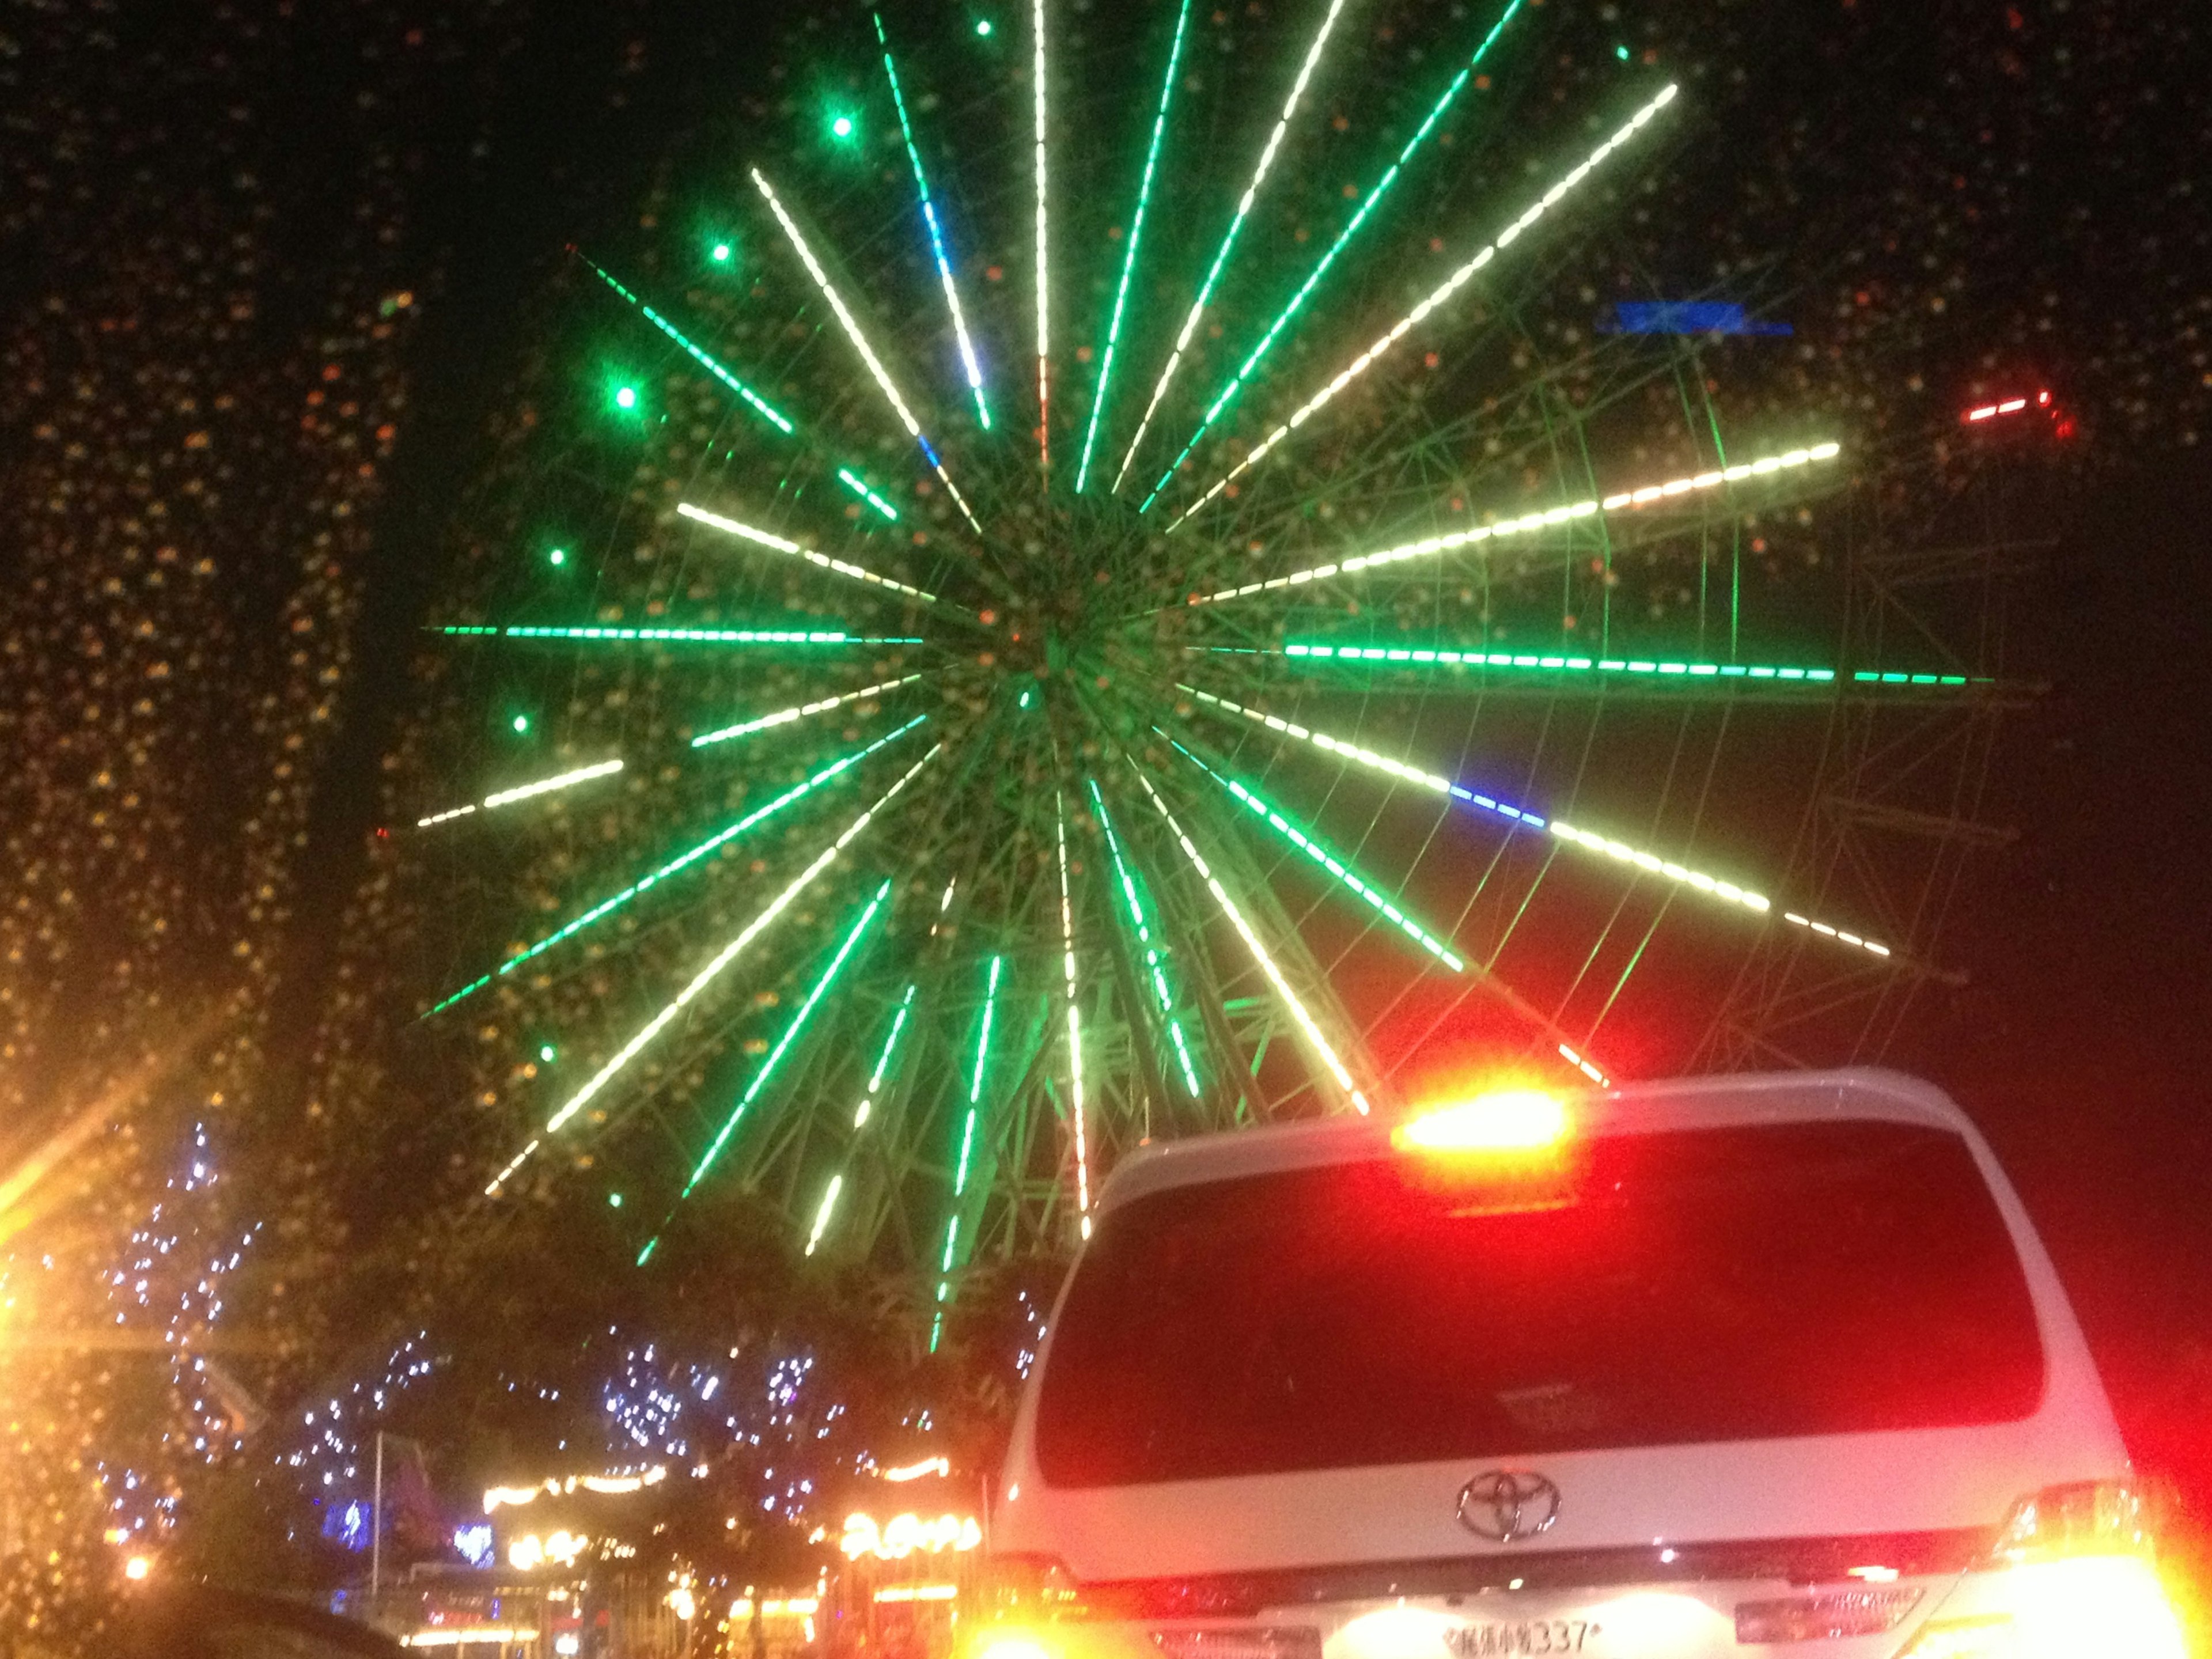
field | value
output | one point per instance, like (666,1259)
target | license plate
(1530,1636)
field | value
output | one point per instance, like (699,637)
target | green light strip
(1244,203)
(1380,902)
(680,635)
(1869,677)
(1129,257)
(1374,197)
(1154,967)
(967,1149)
(607,906)
(851,480)
(790,1035)
(786,716)
(760,405)
(1554,665)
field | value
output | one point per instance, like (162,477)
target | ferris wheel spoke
(1732,895)
(1237,381)
(968,362)
(877,1080)
(1044,265)
(1153,970)
(1236,219)
(1315,1036)
(1534,524)
(752,399)
(773,543)
(1451,285)
(1129,254)
(500,797)
(964,1160)
(851,325)
(1559,670)
(798,712)
(1345,874)
(1082,1138)
(601,634)
(775,1057)
(767,411)
(683,861)
(728,954)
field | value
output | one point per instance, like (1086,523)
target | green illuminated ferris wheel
(1155,595)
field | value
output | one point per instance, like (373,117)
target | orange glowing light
(1508,1120)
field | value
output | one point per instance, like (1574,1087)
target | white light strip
(1443,292)
(1043,318)
(1235,226)
(1074,1033)
(513,1164)
(1583,1064)
(860,1115)
(546,786)
(1590,507)
(1305,1021)
(785,716)
(1652,864)
(852,328)
(526,790)
(1323,740)
(1840,935)
(728,954)
(778,543)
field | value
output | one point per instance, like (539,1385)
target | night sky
(269,278)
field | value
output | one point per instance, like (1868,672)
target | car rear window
(1704,1284)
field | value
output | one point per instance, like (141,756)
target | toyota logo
(1505,1505)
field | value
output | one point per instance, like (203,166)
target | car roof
(1632,1108)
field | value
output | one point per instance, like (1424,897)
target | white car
(1748,1364)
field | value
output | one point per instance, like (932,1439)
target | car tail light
(2071,1574)
(1029,1589)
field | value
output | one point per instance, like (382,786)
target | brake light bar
(1507,1120)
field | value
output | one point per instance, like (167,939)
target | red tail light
(2071,1574)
